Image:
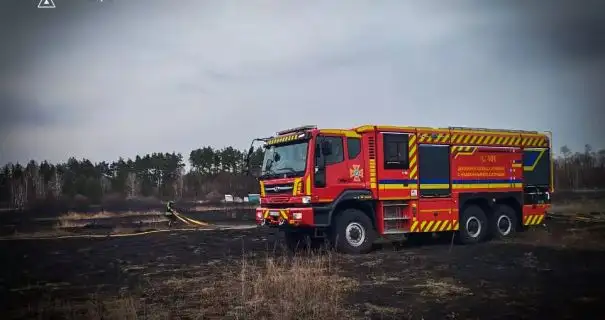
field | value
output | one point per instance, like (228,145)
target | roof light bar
(297,129)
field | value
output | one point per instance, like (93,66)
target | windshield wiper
(289,169)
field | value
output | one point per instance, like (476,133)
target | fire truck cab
(351,186)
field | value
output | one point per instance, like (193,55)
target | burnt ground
(544,273)
(16,225)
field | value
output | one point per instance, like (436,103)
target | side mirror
(250,151)
(326,148)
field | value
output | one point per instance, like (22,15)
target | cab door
(331,179)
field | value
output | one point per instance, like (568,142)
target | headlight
(306,199)
(259,214)
(297,215)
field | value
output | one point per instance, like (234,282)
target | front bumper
(275,217)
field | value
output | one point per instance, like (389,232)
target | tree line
(213,173)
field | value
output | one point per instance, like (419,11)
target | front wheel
(353,232)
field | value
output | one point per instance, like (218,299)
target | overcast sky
(121,78)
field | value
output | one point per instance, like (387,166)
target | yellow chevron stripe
(444,225)
(480,140)
(429,225)
(413,150)
(414,225)
(456,225)
(436,226)
(262,188)
(413,172)
(540,218)
(308,185)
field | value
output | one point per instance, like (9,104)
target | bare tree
(105,185)
(132,185)
(55,185)
(18,193)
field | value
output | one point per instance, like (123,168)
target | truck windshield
(285,160)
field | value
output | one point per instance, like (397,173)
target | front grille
(274,189)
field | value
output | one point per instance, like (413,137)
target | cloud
(127,78)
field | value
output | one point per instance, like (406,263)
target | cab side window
(395,148)
(353,147)
(337,150)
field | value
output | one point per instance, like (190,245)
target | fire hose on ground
(190,221)
(185,220)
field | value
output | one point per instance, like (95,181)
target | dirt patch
(245,274)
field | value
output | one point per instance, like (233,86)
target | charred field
(552,271)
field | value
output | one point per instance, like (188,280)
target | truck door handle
(343,180)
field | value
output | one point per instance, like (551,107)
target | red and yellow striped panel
(434,226)
(463,151)
(500,140)
(434,137)
(413,156)
(282,213)
(533,219)
(512,140)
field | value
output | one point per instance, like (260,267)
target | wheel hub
(504,225)
(355,234)
(473,227)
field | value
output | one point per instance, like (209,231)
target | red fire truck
(351,186)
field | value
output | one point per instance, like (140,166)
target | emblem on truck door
(356,173)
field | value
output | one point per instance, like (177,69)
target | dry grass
(576,207)
(442,289)
(79,220)
(125,308)
(302,287)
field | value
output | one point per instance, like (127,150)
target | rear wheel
(504,222)
(353,232)
(473,225)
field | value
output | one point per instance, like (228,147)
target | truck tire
(353,232)
(473,225)
(504,222)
